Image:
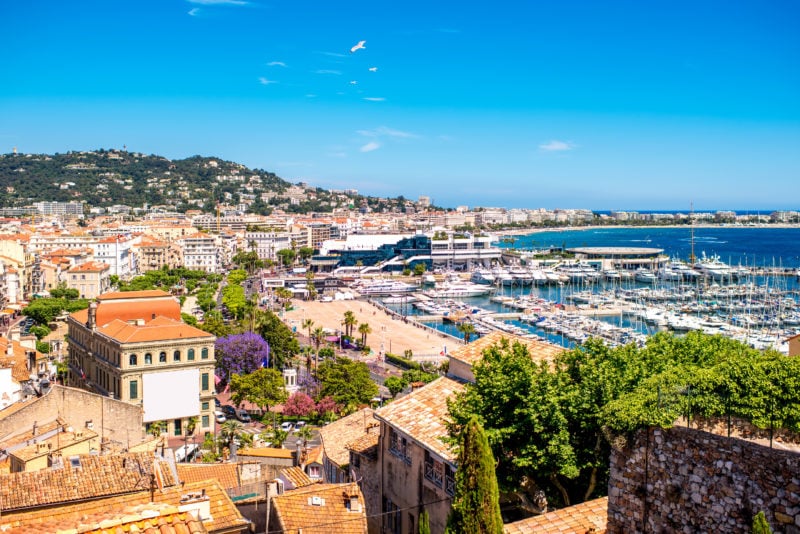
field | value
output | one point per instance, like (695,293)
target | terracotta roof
(133,305)
(266,452)
(315,455)
(321,509)
(296,477)
(43,428)
(473,352)
(223,514)
(90,267)
(159,329)
(57,442)
(229,475)
(366,445)
(338,434)
(17,360)
(421,414)
(589,516)
(97,476)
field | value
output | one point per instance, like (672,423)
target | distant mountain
(108,177)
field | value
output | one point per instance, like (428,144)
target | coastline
(532,231)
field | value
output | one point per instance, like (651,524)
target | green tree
(305,253)
(466,329)
(308,324)
(348,382)
(282,341)
(305,434)
(230,430)
(476,503)
(424,522)
(349,321)
(394,384)
(157,428)
(287,256)
(263,387)
(364,329)
(419,269)
(275,436)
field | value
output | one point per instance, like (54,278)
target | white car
(286,426)
(300,424)
(219,416)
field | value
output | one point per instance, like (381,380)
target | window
(133,360)
(313,471)
(148,359)
(162,358)
(398,446)
(204,382)
(434,470)
(134,389)
(205,421)
(190,355)
(391,516)
(205,406)
(204,353)
(176,356)
(176,427)
(449,480)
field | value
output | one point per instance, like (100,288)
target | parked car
(229,410)
(220,417)
(217,403)
(300,424)
(243,416)
(287,426)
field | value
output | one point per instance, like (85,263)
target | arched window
(190,355)
(148,359)
(176,356)
(162,358)
(204,353)
(133,360)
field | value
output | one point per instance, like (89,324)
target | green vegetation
(263,387)
(760,524)
(346,381)
(550,424)
(44,311)
(476,503)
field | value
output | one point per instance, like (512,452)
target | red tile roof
(321,509)
(338,434)
(583,518)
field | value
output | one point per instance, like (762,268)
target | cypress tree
(424,522)
(760,524)
(476,503)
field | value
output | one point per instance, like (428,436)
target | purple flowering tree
(299,404)
(240,354)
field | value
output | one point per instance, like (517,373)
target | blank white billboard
(171,395)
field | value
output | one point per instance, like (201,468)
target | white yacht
(645,276)
(384,287)
(449,290)
(712,267)
(482,276)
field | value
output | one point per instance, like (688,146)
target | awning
(332,339)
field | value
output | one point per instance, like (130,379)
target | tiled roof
(90,267)
(133,305)
(366,445)
(589,516)
(229,475)
(159,329)
(473,352)
(223,514)
(296,477)
(338,434)
(97,476)
(321,509)
(17,360)
(266,452)
(315,455)
(421,414)
(57,442)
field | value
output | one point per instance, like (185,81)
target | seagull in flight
(373,69)
(358,46)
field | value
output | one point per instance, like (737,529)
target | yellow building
(51,446)
(133,346)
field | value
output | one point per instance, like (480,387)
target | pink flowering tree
(299,405)
(327,407)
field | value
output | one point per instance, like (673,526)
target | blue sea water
(747,246)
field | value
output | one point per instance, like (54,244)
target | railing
(433,472)
(450,484)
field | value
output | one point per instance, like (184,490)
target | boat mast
(691,230)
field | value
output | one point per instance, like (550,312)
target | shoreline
(531,231)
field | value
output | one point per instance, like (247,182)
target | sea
(772,247)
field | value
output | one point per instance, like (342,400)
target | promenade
(389,332)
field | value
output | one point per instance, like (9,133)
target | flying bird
(353,82)
(373,69)
(358,46)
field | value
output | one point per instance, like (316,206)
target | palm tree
(305,434)
(157,428)
(230,430)
(189,427)
(364,329)
(349,322)
(317,336)
(308,323)
(467,329)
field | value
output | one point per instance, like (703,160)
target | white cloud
(369,147)
(264,81)
(332,54)
(384,131)
(328,71)
(276,64)
(194,11)
(374,98)
(218,2)
(557,146)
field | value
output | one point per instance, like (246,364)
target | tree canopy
(348,382)
(263,387)
(282,341)
(240,354)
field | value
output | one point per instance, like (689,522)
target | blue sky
(568,104)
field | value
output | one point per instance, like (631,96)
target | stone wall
(117,422)
(684,480)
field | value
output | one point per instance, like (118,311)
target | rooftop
(321,509)
(338,434)
(589,516)
(472,353)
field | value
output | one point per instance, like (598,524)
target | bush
(399,361)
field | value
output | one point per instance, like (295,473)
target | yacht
(384,287)
(482,276)
(450,290)
(712,267)
(645,276)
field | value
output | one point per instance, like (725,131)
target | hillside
(105,178)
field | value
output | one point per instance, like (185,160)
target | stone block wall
(685,480)
(116,421)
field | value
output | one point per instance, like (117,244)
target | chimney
(91,324)
(9,348)
(34,429)
(299,454)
